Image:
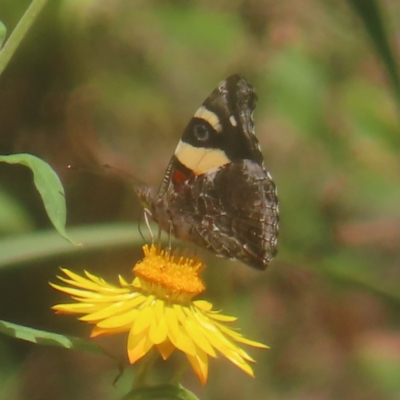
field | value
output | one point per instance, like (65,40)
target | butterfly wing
(216,192)
(233,212)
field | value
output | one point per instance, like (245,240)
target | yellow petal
(159,309)
(75,308)
(99,281)
(240,338)
(158,328)
(204,321)
(96,332)
(203,305)
(165,348)
(244,367)
(120,320)
(221,317)
(178,337)
(75,292)
(232,354)
(79,281)
(108,298)
(143,320)
(199,363)
(219,341)
(138,346)
(194,332)
(136,283)
(252,343)
(172,324)
(122,281)
(114,309)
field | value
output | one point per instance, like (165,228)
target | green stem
(19,32)
(144,369)
(177,377)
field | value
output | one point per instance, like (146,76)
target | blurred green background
(115,82)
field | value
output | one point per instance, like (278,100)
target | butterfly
(216,191)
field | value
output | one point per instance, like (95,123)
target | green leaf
(3,33)
(373,20)
(48,338)
(49,186)
(165,392)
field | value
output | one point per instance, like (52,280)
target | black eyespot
(201,132)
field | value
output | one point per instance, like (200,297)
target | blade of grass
(333,270)
(29,249)
(374,23)
(19,32)
(3,33)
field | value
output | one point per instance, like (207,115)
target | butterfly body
(216,192)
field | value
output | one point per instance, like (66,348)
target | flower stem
(176,378)
(19,32)
(144,369)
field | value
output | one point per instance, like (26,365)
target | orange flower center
(169,275)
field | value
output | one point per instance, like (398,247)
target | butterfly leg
(146,216)
(159,235)
(170,233)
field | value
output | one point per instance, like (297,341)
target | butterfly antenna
(107,169)
(124,174)
(88,170)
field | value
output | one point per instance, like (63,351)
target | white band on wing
(200,159)
(210,117)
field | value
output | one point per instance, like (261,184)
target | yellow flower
(157,310)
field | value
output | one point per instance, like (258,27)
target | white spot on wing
(232,120)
